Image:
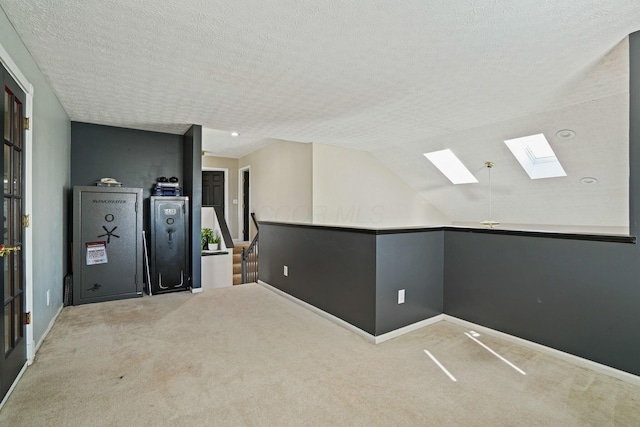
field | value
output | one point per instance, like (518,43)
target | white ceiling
(392,78)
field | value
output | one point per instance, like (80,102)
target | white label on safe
(96,253)
(170,211)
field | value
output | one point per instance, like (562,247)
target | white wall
(50,180)
(210,220)
(217,270)
(352,187)
(578,229)
(231,165)
(323,184)
(280,182)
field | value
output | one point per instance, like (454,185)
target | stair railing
(250,257)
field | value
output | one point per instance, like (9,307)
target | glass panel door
(12,325)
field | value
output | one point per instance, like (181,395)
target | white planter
(214,246)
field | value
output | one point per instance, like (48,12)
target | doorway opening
(245,190)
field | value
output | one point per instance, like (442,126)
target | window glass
(7,116)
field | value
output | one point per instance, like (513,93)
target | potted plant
(206,237)
(214,243)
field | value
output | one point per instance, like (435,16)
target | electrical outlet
(48,297)
(401,296)
(286,270)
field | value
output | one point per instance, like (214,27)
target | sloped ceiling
(393,78)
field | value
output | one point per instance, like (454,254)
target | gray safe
(107,243)
(169,241)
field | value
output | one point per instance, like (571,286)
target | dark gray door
(12,322)
(245,206)
(213,192)
(213,189)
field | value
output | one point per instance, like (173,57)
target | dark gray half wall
(577,296)
(333,270)
(413,262)
(355,274)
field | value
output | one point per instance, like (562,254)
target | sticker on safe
(96,253)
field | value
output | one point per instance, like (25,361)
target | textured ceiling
(393,78)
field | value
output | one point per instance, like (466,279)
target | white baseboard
(196,290)
(319,312)
(51,323)
(576,360)
(371,338)
(408,328)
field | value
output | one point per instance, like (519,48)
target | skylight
(536,156)
(451,166)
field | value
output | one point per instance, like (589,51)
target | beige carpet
(244,356)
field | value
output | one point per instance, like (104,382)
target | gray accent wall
(50,184)
(634,133)
(331,269)
(355,274)
(136,158)
(413,262)
(577,296)
(192,146)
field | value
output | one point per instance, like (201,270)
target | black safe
(169,242)
(107,243)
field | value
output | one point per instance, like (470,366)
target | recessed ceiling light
(536,156)
(565,134)
(588,180)
(234,134)
(451,166)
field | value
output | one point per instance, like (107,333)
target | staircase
(246,271)
(237,262)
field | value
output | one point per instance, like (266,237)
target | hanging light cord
(489,166)
(489,222)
